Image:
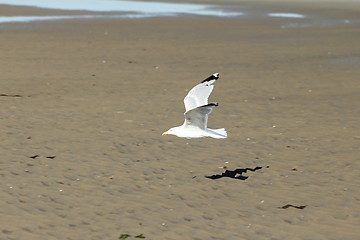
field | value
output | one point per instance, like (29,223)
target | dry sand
(83,105)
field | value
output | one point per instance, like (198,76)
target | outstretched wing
(198,95)
(198,117)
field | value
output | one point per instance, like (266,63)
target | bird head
(171,131)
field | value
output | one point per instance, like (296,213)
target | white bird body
(197,110)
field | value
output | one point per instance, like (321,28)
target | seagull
(197,110)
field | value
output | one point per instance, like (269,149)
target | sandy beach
(83,104)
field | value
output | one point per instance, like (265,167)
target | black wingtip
(213,104)
(215,76)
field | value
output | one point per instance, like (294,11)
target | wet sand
(83,104)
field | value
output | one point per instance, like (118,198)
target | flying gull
(197,110)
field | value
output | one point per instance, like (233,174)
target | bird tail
(219,133)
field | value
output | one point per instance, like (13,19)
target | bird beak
(164,133)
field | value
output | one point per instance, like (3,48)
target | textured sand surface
(83,105)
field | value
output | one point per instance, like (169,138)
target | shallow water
(138,9)
(128,9)
(286,15)
(112,5)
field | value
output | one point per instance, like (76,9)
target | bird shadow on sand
(237,173)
